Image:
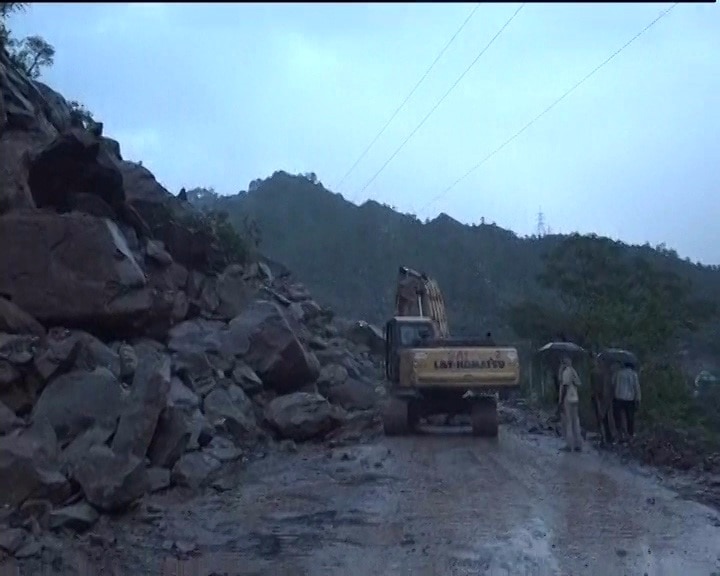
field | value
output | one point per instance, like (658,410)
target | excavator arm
(419,295)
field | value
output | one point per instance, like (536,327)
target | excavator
(428,372)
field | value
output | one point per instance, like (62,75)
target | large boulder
(65,350)
(234,292)
(111,482)
(14,320)
(147,400)
(353,395)
(8,419)
(73,167)
(301,416)
(172,436)
(232,410)
(193,469)
(366,334)
(28,468)
(72,270)
(78,400)
(262,336)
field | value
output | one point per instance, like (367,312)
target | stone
(301,416)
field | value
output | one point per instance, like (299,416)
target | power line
(555,103)
(397,110)
(477,58)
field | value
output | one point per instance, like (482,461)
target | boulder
(9,375)
(368,335)
(74,452)
(78,517)
(195,336)
(73,270)
(147,400)
(181,396)
(301,416)
(75,163)
(158,479)
(174,431)
(28,468)
(245,377)
(331,375)
(223,450)
(263,338)
(17,349)
(12,539)
(232,410)
(155,251)
(193,469)
(353,395)
(65,350)
(76,401)
(8,420)
(110,482)
(14,320)
(234,292)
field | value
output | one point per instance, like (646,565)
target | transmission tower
(541,228)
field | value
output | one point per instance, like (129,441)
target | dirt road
(442,504)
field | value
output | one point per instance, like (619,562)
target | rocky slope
(135,355)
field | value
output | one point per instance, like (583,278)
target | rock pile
(134,354)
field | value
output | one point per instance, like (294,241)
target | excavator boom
(419,295)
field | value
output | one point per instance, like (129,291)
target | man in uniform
(570,404)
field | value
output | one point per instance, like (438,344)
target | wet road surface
(437,504)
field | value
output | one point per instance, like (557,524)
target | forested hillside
(349,256)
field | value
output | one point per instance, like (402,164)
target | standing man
(627,398)
(570,404)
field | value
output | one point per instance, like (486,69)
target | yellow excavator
(428,372)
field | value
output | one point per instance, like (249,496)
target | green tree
(614,298)
(6,10)
(31,55)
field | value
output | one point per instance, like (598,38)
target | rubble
(135,354)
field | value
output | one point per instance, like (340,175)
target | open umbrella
(566,347)
(610,355)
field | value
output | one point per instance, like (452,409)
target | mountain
(348,255)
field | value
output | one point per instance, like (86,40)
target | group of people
(615,396)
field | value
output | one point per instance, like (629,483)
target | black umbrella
(610,355)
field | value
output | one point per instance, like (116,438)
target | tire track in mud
(451,505)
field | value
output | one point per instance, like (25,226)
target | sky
(217,95)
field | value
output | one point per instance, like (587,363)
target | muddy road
(438,504)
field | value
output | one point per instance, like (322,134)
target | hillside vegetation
(349,256)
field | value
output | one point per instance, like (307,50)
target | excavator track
(484,417)
(396,417)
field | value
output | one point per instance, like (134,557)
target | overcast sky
(220,94)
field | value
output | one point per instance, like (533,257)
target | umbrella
(566,347)
(618,355)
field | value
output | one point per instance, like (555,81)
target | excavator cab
(402,333)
